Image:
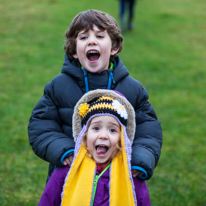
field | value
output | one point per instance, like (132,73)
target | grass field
(166,52)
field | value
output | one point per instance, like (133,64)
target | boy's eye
(100,36)
(83,37)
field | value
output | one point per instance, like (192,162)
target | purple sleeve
(52,192)
(142,193)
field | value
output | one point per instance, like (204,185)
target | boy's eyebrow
(98,30)
(95,30)
(82,32)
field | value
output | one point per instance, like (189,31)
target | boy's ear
(114,51)
(75,56)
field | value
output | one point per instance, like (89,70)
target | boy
(92,42)
(104,126)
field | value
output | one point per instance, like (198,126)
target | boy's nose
(92,41)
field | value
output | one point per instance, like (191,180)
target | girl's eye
(96,128)
(112,130)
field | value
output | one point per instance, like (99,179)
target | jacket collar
(95,80)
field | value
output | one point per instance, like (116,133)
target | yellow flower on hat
(83,108)
(120,109)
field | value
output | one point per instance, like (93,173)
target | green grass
(165,52)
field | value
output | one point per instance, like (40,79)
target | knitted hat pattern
(103,105)
(104,102)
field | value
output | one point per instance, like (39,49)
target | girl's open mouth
(101,150)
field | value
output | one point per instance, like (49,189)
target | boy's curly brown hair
(85,21)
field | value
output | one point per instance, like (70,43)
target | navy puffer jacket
(50,127)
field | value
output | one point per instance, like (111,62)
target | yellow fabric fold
(121,191)
(79,183)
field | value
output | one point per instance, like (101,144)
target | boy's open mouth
(93,55)
(101,149)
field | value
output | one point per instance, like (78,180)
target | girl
(100,174)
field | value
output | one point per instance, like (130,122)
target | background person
(127,7)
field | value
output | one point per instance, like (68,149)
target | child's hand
(68,160)
(135,173)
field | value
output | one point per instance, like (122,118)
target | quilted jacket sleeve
(146,148)
(45,132)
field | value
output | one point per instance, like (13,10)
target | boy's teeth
(92,52)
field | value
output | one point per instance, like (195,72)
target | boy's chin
(95,70)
